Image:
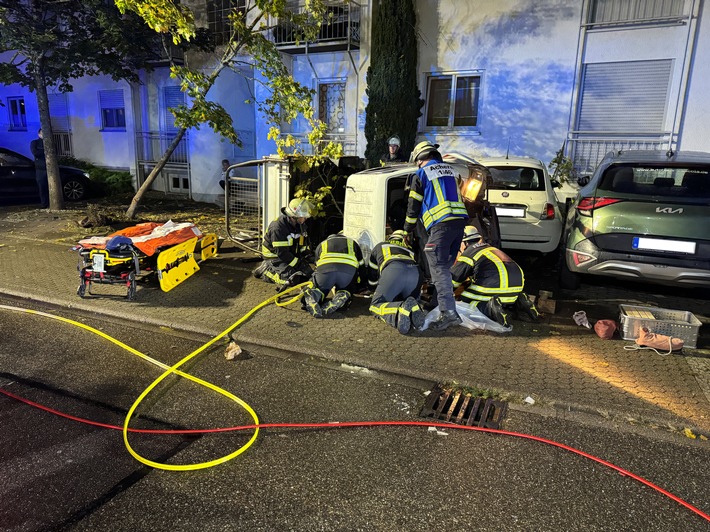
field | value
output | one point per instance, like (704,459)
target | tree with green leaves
(394,103)
(49,43)
(249,43)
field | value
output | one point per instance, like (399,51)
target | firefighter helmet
(298,208)
(421,151)
(398,237)
(394,141)
(470,233)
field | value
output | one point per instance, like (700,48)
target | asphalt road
(64,475)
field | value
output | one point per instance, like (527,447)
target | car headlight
(86,175)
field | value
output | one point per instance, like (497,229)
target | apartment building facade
(510,76)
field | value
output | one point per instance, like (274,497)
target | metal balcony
(339,31)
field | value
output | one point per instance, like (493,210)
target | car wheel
(568,279)
(74,190)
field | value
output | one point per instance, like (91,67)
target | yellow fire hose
(174,369)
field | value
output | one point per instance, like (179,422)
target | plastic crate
(675,323)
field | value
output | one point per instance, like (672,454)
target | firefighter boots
(523,305)
(445,320)
(416,313)
(340,300)
(495,311)
(311,301)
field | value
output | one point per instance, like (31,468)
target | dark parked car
(18,184)
(644,215)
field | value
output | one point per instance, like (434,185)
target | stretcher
(171,250)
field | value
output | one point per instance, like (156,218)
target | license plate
(657,244)
(98,263)
(510,212)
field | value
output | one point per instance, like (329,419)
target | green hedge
(110,181)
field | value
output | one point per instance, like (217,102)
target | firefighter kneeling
(339,265)
(285,247)
(491,280)
(393,269)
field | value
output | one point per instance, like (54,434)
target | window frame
(611,14)
(114,112)
(21,113)
(453,77)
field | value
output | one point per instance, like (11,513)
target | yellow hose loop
(174,369)
(294,298)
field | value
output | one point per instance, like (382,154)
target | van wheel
(568,280)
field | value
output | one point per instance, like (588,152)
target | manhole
(456,406)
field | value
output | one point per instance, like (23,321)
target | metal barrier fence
(243,212)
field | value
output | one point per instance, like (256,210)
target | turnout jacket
(285,242)
(382,255)
(434,196)
(340,250)
(490,271)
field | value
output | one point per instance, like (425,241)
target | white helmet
(421,151)
(394,141)
(470,233)
(299,208)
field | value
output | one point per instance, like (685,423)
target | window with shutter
(172,97)
(113,110)
(59,112)
(624,97)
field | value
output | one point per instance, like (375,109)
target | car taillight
(580,258)
(587,205)
(548,213)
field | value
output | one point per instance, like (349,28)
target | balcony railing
(339,31)
(151,145)
(586,151)
(348,142)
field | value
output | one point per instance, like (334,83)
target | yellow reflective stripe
(474,296)
(282,243)
(465,260)
(388,255)
(416,195)
(440,199)
(337,258)
(293,262)
(410,220)
(384,309)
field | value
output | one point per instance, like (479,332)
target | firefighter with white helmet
(394,152)
(435,199)
(339,266)
(394,272)
(285,246)
(491,280)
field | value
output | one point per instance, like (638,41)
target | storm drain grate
(456,406)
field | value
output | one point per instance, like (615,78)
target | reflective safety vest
(339,249)
(382,255)
(438,193)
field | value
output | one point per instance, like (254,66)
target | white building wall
(526,52)
(695,127)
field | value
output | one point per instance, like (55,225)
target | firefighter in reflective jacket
(285,245)
(490,279)
(434,197)
(394,270)
(339,265)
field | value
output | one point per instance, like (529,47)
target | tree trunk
(131,212)
(56,196)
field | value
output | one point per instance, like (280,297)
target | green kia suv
(644,215)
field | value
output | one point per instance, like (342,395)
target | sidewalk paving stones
(559,364)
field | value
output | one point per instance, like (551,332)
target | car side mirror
(555,183)
(583,180)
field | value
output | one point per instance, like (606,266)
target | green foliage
(113,182)
(394,102)
(60,41)
(562,167)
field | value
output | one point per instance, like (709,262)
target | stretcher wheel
(131,287)
(81,291)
